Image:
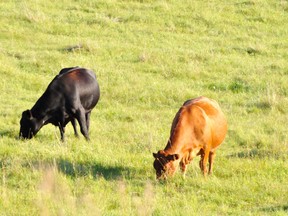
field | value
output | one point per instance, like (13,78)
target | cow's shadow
(257,153)
(275,208)
(69,167)
(75,170)
(82,169)
(96,170)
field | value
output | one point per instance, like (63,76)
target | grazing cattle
(71,96)
(198,128)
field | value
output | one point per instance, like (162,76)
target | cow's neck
(43,107)
(175,143)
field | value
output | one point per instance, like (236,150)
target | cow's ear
(155,155)
(27,114)
(159,154)
(173,157)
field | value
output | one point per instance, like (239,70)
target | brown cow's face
(164,164)
(28,125)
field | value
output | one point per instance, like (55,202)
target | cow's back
(213,120)
(77,85)
(77,75)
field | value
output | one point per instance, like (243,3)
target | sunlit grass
(149,57)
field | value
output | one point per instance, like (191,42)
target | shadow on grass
(246,154)
(75,170)
(95,169)
(257,153)
(275,208)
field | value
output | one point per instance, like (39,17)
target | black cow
(71,95)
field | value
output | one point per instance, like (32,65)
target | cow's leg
(201,153)
(201,162)
(183,168)
(61,125)
(80,115)
(88,120)
(62,132)
(73,121)
(205,160)
(211,161)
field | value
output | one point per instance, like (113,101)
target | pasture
(149,57)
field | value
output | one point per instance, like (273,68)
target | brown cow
(198,128)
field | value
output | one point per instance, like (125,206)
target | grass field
(149,57)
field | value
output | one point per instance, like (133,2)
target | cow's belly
(194,153)
(190,155)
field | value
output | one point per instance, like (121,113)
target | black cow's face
(164,164)
(28,125)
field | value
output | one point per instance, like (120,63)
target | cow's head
(28,125)
(164,164)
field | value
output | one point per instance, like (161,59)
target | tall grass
(149,57)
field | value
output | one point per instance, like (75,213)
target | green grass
(149,57)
